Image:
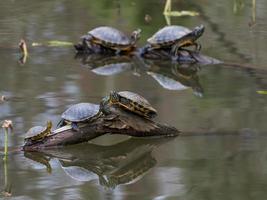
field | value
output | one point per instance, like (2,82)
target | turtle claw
(198,47)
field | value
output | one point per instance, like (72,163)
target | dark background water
(229,164)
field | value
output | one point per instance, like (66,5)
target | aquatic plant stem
(6,144)
(253,11)
(167,7)
(5,171)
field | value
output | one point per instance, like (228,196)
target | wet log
(101,126)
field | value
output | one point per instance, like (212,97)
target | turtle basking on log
(38,133)
(79,113)
(105,38)
(124,113)
(131,102)
(174,38)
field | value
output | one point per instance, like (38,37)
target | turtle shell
(38,132)
(110,36)
(168,34)
(35,131)
(80,112)
(135,103)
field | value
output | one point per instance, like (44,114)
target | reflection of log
(122,163)
(184,56)
(101,126)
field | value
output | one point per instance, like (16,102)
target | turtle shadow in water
(184,56)
(119,164)
(169,74)
(176,76)
(106,65)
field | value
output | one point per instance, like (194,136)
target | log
(104,124)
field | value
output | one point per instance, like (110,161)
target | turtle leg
(74,126)
(197,46)
(61,123)
(175,52)
(118,52)
(146,49)
(87,46)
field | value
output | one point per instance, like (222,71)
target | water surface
(224,104)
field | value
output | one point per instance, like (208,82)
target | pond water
(223,106)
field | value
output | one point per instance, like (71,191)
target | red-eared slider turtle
(131,102)
(37,133)
(174,37)
(81,112)
(111,38)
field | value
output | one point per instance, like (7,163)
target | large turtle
(111,38)
(174,37)
(37,133)
(129,101)
(81,112)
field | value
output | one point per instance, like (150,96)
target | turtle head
(49,124)
(198,31)
(135,36)
(107,101)
(103,104)
(113,97)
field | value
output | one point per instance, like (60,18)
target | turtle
(111,38)
(174,37)
(38,133)
(81,112)
(129,101)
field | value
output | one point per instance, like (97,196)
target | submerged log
(124,124)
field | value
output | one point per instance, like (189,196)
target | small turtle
(111,38)
(129,101)
(38,132)
(81,112)
(174,37)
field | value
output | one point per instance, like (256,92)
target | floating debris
(23,47)
(262,92)
(182,13)
(24,51)
(148,18)
(53,43)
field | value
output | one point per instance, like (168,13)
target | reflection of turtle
(111,38)
(167,82)
(109,65)
(176,77)
(131,172)
(40,158)
(79,173)
(37,133)
(175,37)
(81,112)
(111,69)
(131,102)
(124,163)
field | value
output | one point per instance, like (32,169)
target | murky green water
(228,163)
